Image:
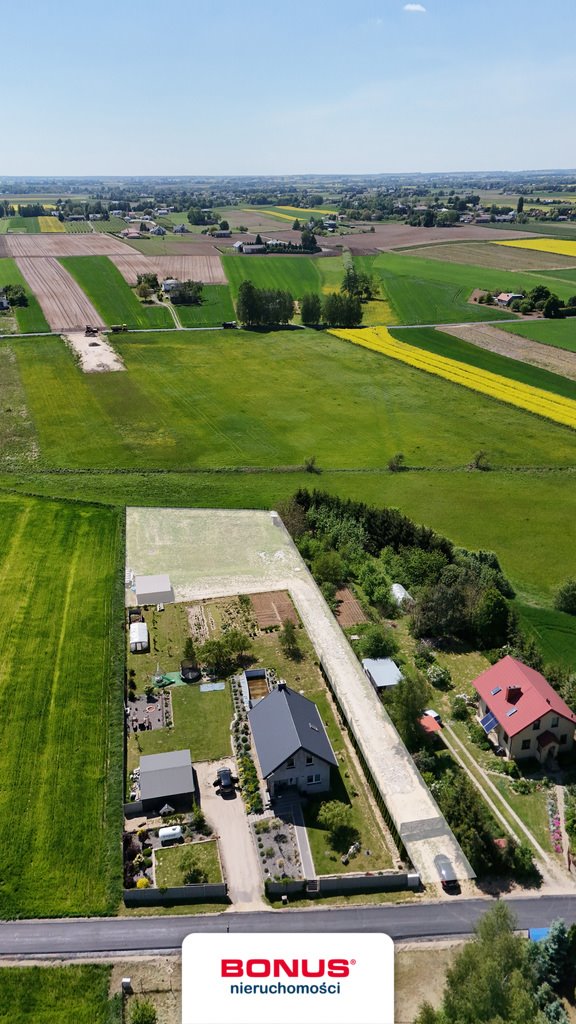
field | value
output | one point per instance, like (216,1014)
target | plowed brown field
(62,245)
(63,302)
(558,360)
(185,268)
(479,254)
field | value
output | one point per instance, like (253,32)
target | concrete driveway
(227,816)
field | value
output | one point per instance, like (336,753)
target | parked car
(434,714)
(447,875)
(224,780)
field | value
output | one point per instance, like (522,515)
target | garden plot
(273,610)
(63,302)
(213,553)
(205,268)
(349,611)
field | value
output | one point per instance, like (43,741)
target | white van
(170,834)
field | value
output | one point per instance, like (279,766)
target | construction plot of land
(486,254)
(557,360)
(273,609)
(217,553)
(63,302)
(61,245)
(96,355)
(349,611)
(205,268)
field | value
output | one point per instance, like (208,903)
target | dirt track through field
(206,268)
(557,360)
(62,245)
(63,302)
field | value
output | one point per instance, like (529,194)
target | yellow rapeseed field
(524,396)
(50,224)
(555,245)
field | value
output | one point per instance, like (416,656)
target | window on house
(564,738)
(504,737)
(536,724)
(554,722)
(313,780)
(309,759)
(290,763)
(526,744)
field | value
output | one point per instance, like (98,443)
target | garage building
(167,779)
(154,589)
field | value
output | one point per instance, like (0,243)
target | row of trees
(261,307)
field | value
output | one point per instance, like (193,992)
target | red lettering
(231,969)
(252,968)
(290,970)
(338,969)
(307,971)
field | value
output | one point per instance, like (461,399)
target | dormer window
(290,763)
(536,724)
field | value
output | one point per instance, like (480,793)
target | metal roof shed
(382,672)
(154,589)
(165,777)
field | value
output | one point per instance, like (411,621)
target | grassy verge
(76,994)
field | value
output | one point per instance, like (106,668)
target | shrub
(439,677)
(143,883)
(478,736)
(143,1012)
(565,600)
(459,709)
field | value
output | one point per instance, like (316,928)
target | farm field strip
(61,727)
(486,254)
(78,227)
(523,396)
(556,333)
(296,274)
(30,318)
(111,296)
(215,308)
(51,225)
(556,245)
(207,269)
(24,225)
(516,347)
(63,245)
(63,302)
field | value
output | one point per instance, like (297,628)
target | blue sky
(247,87)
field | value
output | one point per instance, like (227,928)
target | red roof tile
(535,700)
(429,724)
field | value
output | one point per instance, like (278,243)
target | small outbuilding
(139,639)
(169,285)
(400,594)
(167,777)
(154,589)
(382,672)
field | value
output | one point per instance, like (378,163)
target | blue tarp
(537,934)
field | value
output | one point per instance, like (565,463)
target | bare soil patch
(480,254)
(200,267)
(62,245)
(96,355)
(63,302)
(420,976)
(557,360)
(273,609)
(349,611)
(398,236)
(157,979)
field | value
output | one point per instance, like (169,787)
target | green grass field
(17,434)
(551,228)
(431,291)
(558,333)
(170,868)
(296,274)
(554,631)
(62,708)
(112,297)
(201,725)
(29,318)
(78,227)
(434,340)
(216,307)
(76,994)
(307,393)
(24,225)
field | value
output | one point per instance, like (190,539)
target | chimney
(513,694)
(282,684)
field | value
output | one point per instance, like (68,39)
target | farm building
(139,639)
(4,304)
(238,246)
(382,672)
(154,589)
(252,249)
(291,742)
(167,778)
(222,234)
(180,229)
(522,713)
(505,298)
(169,284)
(158,230)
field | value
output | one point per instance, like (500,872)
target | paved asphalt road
(138,935)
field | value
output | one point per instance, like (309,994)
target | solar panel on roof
(488,722)
(511,712)
(497,689)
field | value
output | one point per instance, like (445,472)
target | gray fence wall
(206,893)
(333,884)
(134,809)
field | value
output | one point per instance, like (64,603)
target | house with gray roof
(166,779)
(291,742)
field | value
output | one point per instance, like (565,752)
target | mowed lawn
(434,292)
(75,994)
(111,296)
(215,308)
(558,333)
(24,225)
(61,708)
(195,400)
(296,274)
(29,318)
(555,632)
(201,725)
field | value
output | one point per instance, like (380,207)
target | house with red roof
(522,713)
